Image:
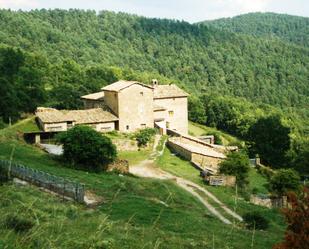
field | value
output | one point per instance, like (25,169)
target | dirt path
(147,168)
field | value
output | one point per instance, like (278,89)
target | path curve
(147,168)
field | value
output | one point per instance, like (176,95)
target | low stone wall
(206,162)
(269,201)
(202,162)
(221,180)
(186,154)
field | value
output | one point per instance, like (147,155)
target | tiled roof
(121,84)
(51,115)
(168,91)
(206,151)
(89,116)
(94,96)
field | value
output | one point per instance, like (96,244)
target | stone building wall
(177,113)
(135,108)
(186,154)
(105,127)
(111,100)
(54,126)
(89,104)
(206,162)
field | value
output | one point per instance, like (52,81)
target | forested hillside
(201,58)
(52,57)
(293,29)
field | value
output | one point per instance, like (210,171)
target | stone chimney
(155,82)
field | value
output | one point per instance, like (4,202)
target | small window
(128,127)
(171,113)
(141,93)
(104,129)
(167,125)
(143,126)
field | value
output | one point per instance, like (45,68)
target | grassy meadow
(136,212)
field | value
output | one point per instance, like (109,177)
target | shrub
(19,224)
(87,149)
(285,180)
(237,164)
(255,220)
(144,136)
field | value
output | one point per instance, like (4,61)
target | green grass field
(136,213)
(199,130)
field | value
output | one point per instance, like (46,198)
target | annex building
(126,106)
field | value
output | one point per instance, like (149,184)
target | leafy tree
(270,140)
(285,180)
(237,164)
(297,218)
(87,149)
(21,83)
(196,111)
(144,136)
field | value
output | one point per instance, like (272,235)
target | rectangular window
(127,127)
(141,93)
(105,129)
(143,126)
(171,113)
(167,125)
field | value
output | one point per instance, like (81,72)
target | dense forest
(51,57)
(202,58)
(293,29)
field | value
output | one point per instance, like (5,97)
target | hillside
(74,46)
(293,29)
(136,213)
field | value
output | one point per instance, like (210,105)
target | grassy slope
(199,130)
(132,216)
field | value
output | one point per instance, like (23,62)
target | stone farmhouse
(126,106)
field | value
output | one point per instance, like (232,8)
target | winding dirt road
(147,168)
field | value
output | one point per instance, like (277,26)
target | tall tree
(271,140)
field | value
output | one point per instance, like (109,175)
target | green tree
(285,180)
(236,164)
(144,136)
(270,140)
(87,149)
(196,110)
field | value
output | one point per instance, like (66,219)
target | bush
(19,224)
(87,149)
(285,180)
(237,164)
(144,136)
(255,220)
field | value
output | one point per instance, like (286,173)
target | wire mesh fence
(42,179)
